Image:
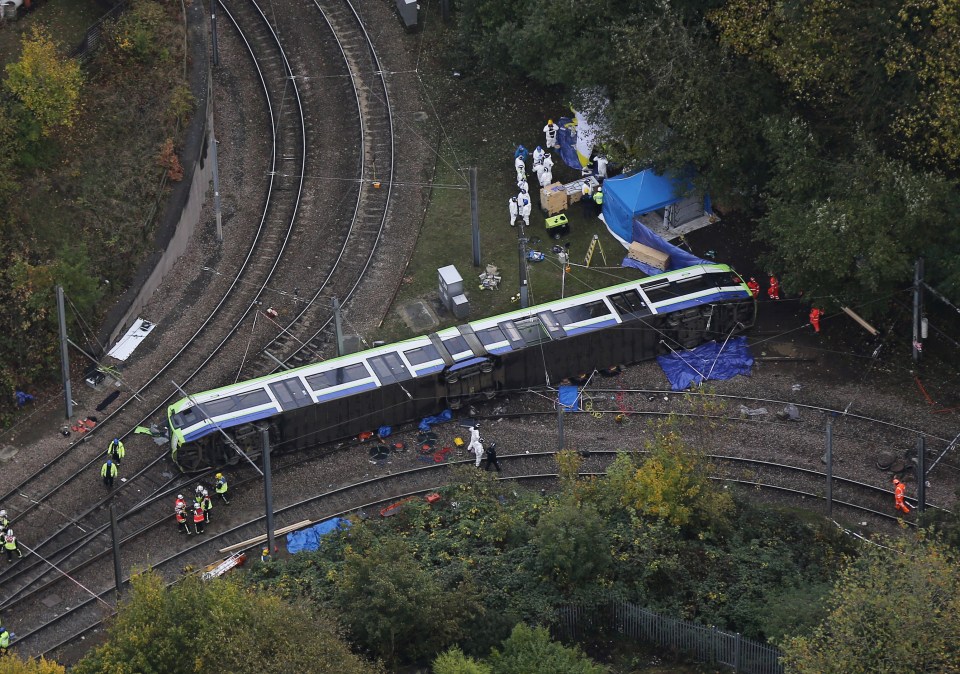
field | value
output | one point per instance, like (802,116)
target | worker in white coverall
(520,165)
(525,209)
(476,443)
(538,156)
(523,185)
(548,161)
(550,132)
(546,177)
(601,162)
(514,211)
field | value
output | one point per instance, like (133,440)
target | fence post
(736,654)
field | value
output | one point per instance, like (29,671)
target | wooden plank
(866,326)
(257,540)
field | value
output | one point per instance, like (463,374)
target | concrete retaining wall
(181,213)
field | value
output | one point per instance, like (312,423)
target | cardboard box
(553,198)
(648,255)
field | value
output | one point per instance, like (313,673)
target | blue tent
(629,196)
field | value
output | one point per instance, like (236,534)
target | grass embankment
(483,122)
(85,189)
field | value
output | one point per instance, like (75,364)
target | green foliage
(216,626)
(673,484)
(181,104)
(530,650)
(14,665)
(894,609)
(489,555)
(848,230)
(47,83)
(926,53)
(136,34)
(572,546)
(394,605)
(454,661)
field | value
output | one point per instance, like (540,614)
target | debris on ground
(789,413)
(755,412)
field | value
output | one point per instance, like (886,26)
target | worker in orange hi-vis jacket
(899,491)
(815,314)
(754,286)
(773,292)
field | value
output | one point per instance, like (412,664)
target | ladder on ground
(594,244)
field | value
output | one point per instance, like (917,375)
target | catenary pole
(267,486)
(474,214)
(917,308)
(64,354)
(338,327)
(921,474)
(829,458)
(115,533)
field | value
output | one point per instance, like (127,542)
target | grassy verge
(483,122)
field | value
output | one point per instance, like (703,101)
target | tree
(530,650)
(47,83)
(14,665)
(849,229)
(682,103)
(572,545)
(395,606)
(673,484)
(454,661)
(926,54)
(895,608)
(216,626)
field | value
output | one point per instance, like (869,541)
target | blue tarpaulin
(427,422)
(569,398)
(309,538)
(707,361)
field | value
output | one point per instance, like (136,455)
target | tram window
(456,345)
(389,368)
(630,304)
(491,336)
(241,401)
(340,375)
(661,291)
(423,354)
(583,312)
(532,331)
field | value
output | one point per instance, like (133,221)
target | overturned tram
(397,383)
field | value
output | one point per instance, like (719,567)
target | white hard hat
(3,513)
(180,496)
(204,492)
(9,532)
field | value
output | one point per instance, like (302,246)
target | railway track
(305,338)
(366,497)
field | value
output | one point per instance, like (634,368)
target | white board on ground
(132,339)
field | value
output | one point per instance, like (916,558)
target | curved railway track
(285,178)
(305,338)
(86,614)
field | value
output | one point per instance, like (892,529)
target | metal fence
(91,39)
(704,644)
